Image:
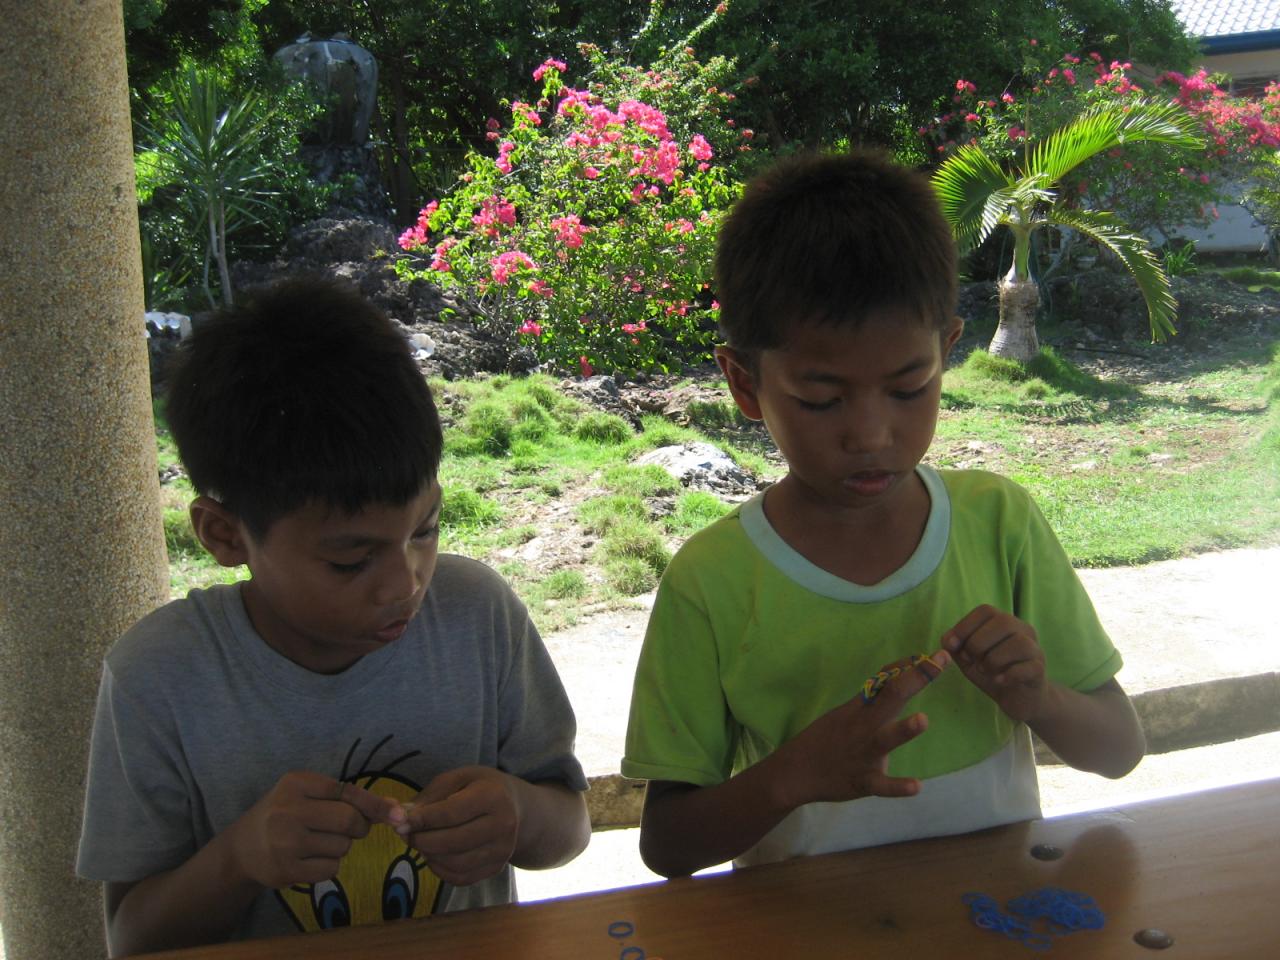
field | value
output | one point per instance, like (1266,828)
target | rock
(701,466)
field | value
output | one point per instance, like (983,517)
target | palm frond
(965,185)
(1135,253)
(1108,126)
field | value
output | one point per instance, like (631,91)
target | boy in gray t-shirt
(364,729)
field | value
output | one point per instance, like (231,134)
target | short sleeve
(1049,595)
(536,722)
(680,727)
(137,817)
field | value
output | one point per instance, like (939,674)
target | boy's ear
(951,335)
(220,531)
(742,383)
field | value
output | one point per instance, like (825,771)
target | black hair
(830,239)
(303,392)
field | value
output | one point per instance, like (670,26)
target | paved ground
(1177,622)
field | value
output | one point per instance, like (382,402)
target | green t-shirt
(749,642)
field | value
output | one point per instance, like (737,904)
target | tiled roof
(1225,18)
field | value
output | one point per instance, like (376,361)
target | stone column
(81,539)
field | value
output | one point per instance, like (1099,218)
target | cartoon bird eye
(400,889)
(329,901)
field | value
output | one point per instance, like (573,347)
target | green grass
(1254,278)
(1125,473)
(521,444)
(1128,474)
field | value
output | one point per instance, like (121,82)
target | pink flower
(506,264)
(531,327)
(549,64)
(1070,75)
(585,367)
(494,212)
(438,262)
(971,118)
(412,238)
(569,230)
(590,172)
(1007,97)
(542,289)
(1017,133)
(492,124)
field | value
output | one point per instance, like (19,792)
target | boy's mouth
(391,631)
(868,483)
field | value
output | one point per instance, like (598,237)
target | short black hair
(303,392)
(829,239)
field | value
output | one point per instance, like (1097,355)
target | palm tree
(978,196)
(213,145)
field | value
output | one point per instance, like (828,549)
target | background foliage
(805,73)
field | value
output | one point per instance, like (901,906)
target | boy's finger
(958,636)
(452,841)
(437,815)
(881,785)
(893,735)
(898,690)
(372,807)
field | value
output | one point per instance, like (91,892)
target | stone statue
(343,71)
(337,150)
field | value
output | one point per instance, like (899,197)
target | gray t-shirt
(198,718)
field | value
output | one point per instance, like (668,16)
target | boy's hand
(465,823)
(1001,657)
(844,754)
(303,827)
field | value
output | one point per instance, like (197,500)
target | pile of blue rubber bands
(1062,912)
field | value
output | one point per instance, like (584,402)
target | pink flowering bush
(1147,186)
(589,236)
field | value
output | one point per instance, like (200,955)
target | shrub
(604,428)
(565,585)
(590,236)
(649,480)
(489,423)
(600,514)
(635,540)
(629,576)
(466,509)
(695,510)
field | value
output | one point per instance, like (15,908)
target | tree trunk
(1016,335)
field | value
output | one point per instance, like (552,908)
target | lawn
(1134,454)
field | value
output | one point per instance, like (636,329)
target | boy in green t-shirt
(752,716)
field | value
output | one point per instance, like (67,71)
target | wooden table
(1203,867)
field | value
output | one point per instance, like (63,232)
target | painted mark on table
(622,931)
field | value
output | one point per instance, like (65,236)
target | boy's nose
(400,579)
(866,429)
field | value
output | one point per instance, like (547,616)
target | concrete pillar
(81,541)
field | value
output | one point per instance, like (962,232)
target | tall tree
(821,71)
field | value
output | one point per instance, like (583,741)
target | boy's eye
(910,394)
(349,567)
(819,405)
(427,534)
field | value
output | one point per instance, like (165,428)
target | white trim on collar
(919,566)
